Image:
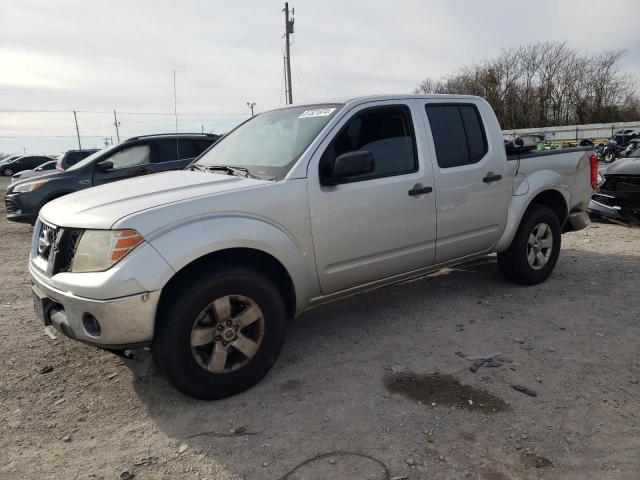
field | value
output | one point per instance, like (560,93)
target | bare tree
(545,84)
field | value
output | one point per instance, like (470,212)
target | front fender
(192,239)
(537,183)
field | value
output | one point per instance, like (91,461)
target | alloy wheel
(539,246)
(227,334)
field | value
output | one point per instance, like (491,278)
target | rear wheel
(534,251)
(220,332)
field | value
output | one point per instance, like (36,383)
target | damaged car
(618,198)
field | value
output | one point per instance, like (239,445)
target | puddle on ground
(531,460)
(444,390)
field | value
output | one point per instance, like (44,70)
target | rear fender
(538,182)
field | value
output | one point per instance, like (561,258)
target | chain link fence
(599,132)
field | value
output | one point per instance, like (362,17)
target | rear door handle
(491,178)
(420,191)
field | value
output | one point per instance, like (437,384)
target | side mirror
(104,166)
(350,164)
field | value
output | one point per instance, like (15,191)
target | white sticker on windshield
(317,112)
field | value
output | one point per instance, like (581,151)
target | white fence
(578,132)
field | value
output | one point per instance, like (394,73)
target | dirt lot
(369,388)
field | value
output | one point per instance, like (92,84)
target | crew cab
(133,157)
(295,207)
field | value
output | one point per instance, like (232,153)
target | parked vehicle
(631,150)
(610,151)
(296,207)
(9,158)
(623,137)
(618,198)
(25,162)
(71,157)
(131,158)
(46,167)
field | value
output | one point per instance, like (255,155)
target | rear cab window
(459,136)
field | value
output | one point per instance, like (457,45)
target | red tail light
(594,170)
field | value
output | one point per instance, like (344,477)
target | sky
(94,57)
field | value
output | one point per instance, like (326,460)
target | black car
(46,167)
(131,158)
(71,157)
(618,198)
(25,162)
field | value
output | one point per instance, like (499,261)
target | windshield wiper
(240,171)
(198,167)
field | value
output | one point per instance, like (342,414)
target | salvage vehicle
(618,198)
(24,162)
(46,167)
(296,207)
(131,158)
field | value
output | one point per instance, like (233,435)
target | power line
(120,112)
(298,66)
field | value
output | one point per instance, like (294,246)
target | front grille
(11,206)
(605,199)
(47,237)
(67,249)
(58,247)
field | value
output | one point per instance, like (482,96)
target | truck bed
(545,153)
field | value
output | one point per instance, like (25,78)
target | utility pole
(251,105)
(288,29)
(116,123)
(75,117)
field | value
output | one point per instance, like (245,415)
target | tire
(609,157)
(516,263)
(195,312)
(7,172)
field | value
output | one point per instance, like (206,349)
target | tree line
(547,84)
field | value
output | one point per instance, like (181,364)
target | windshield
(269,144)
(90,158)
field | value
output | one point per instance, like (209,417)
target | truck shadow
(326,392)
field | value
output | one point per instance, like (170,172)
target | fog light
(91,325)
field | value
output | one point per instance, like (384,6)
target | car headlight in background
(29,187)
(99,250)
(601,180)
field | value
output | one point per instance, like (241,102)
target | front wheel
(534,251)
(220,332)
(7,172)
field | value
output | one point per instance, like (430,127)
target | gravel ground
(367,388)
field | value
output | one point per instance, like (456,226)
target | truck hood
(100,207)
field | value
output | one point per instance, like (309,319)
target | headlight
(99,250)
(28,187)
(601,180)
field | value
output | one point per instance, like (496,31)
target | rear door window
(129,157)
(458,134)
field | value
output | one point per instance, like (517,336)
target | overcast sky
(95,56)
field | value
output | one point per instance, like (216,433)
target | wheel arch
(549,197)
(245,257)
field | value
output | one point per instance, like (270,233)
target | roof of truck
(377,98)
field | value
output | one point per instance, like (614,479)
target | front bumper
(22,207)
(124,322)
(605,210)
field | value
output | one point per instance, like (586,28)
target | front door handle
(420,191)
(491,177)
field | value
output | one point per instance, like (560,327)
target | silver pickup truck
(295,207)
